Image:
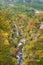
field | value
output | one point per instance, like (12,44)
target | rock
(41,27)
(19,44)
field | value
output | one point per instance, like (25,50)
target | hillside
(12,3)
(21,33)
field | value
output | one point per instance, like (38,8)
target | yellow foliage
(5,34)
(30,31)
(26,62)
(32,43)
(12,50)
(30,54)
(31,20)
(41,37)
(15,40)
(14,61)
(40,53)
(22,15)
(6,42)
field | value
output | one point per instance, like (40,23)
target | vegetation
(26,22)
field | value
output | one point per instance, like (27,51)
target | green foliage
(28,27)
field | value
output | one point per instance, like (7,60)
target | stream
(19,56)
(20,52)
(20,45)
(20,59)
